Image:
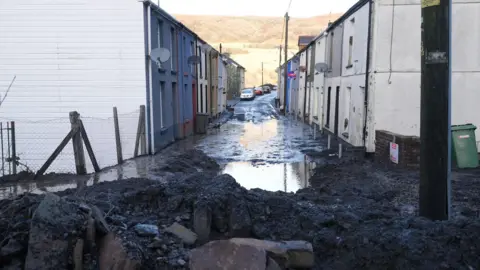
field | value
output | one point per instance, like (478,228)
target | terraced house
(370,92)
(89,57)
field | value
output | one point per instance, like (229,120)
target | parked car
(247,94)
(275,88)
(266,89)
(258,91)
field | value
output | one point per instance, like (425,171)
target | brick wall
(408,149)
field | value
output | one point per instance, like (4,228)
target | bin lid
(463,127)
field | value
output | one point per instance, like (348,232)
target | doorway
(337,101)
(174,109)
(329,101)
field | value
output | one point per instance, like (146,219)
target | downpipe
(367,75)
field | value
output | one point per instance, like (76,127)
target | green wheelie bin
(464,146)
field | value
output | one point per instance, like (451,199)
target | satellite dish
(321,67)
(193,60)
(160,55)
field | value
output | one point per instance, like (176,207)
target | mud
(357,215)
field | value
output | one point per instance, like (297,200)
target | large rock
(224,254)
(55,227)
(289,254)
(113,256)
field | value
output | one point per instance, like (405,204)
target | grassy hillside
(252,40)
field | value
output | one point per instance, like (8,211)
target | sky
(275,8)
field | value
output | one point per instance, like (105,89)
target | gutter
(149,116)
(367,73)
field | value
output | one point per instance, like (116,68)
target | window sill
(162,70)
(173,72)
(315,117)
(163,130)
(327,126)
(345,135)
(349,66)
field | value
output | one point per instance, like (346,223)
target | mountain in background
(251,40)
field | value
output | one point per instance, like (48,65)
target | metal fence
(8,148)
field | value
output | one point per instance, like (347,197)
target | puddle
(287,177)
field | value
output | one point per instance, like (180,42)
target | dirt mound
(154,225)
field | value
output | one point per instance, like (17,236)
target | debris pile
(203,218)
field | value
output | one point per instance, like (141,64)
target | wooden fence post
(117,136)
(14,148)
(140,141)
(77,144)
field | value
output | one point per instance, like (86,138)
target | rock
(240,223)
(78,255)
(187,236)
(112,255)
(100,223)
(272,265)
(202,222)
(12,248)
(50,235)
(146,230)
(156,243)
(290,254)
(225,254)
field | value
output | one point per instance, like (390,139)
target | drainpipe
(148,41)
(305,92)
(367,73)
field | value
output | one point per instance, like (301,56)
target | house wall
(318,81)
(301,78)
(309,91)
(396,83)
(165,84)
(202,83)
(87,58)
(242,78)
(222,86)
(213,83)
(354,62)
(188,74)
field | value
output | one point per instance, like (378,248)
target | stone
(187,236)
(146,230)
(240,222)
(156,243)
(50,234)
(78,255)
(113,256)
(12,248)
(225,254)
(289,254)
(272,265)
(202,222)
(100,223)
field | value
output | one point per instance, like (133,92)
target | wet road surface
(257,146)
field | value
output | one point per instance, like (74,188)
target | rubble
(339,224)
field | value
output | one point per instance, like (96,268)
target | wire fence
(36,141)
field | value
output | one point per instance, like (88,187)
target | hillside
(252,40)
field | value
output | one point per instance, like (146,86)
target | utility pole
(262,74)
(435,130)
(220,48)
(285,68)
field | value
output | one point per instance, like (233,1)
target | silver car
(247,94)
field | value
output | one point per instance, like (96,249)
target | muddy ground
(357,215)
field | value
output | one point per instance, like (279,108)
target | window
(192,53)
(163,103)
(205,63)
(330,53)
(200,64)
(173,51)
(159,37)
(350,50)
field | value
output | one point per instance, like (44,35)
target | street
(257,146)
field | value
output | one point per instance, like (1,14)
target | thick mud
(357,216)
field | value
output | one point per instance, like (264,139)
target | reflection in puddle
(287,177)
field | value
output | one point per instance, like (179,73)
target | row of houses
(359,79)
(89,56)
